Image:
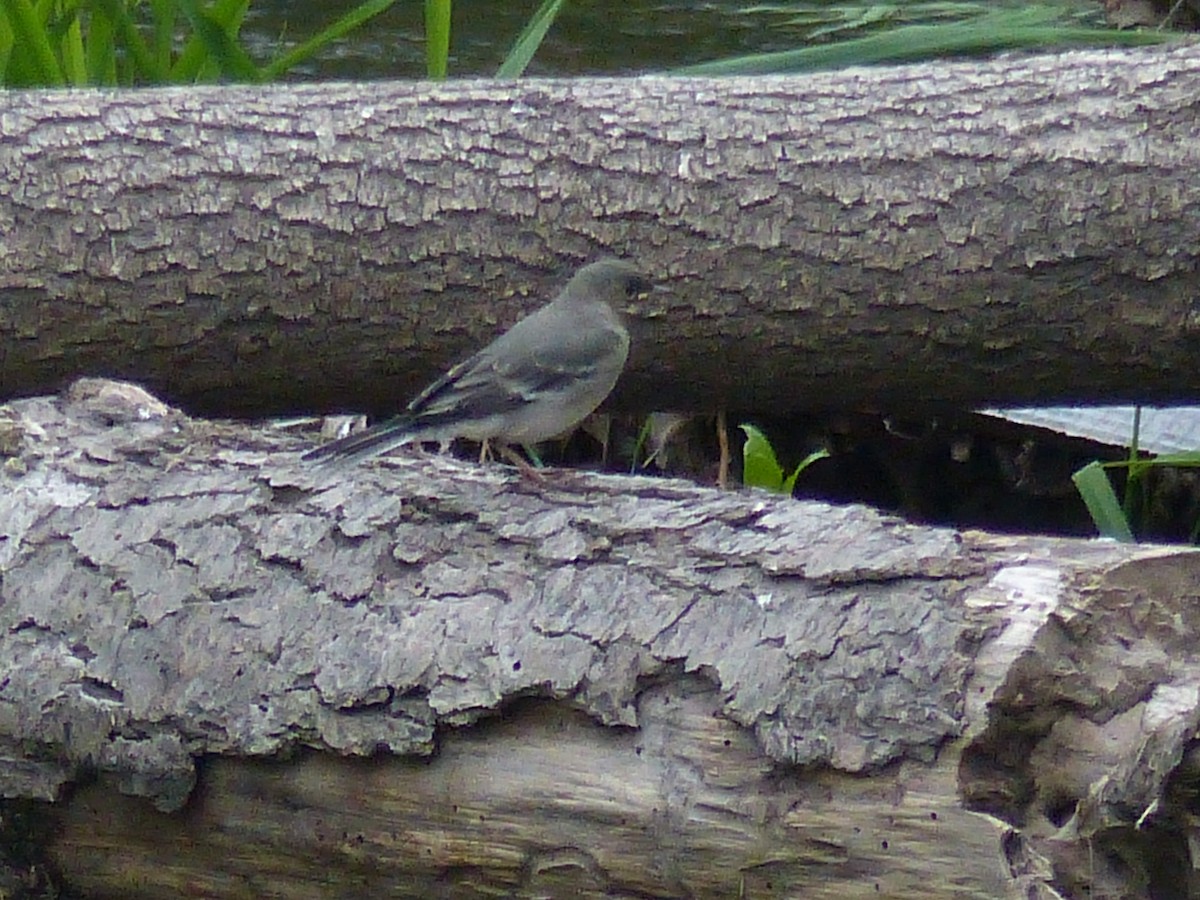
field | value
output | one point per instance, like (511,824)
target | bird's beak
(652,290)
(655,308)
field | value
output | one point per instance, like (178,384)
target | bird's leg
(604,440)
(526,470)
(723,444)
(485,451)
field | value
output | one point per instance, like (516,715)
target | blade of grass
(1134,478)
(162,13)
(141,63)
(526,45)
(32,40)
(193,60)
(1101,500)
(1184,459)
(437,37)
(6,47)
(100,49)
(74,59)
(639,446)
(357,16)
(760,466)
(789,483)
(1007,30)
(232,60)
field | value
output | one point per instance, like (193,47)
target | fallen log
(1010,231)
(226,674)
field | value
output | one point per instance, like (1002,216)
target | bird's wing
(512,373)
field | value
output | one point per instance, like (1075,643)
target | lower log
(226,675)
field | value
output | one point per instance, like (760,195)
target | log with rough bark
(225,674)
(975,233)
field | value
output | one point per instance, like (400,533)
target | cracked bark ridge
(592,686)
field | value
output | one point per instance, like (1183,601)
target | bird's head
(614,281)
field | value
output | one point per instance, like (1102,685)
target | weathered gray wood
(629,687)
(1020,229)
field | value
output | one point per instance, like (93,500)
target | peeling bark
(423,677)
(1019,229)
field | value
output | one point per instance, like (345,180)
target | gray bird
(539,379)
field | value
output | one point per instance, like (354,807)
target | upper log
(588,686)
(1014,230)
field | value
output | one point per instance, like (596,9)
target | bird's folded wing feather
(495,383)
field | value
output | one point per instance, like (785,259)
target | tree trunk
(1014,230)
(584,686)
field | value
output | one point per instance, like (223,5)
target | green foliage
(983,30)
(760,467)
(56,43)
(1137,510)
(60,43)
(530,38)
(816,20)
(1101,500)
(437,37)
(1118,519)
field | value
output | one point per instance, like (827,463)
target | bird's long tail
(374,441)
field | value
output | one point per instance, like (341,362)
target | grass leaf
(231,59)
(74,58)
(437,37)
(99,49)
(31,39)
(163,35)
(6,45)
(760,468)
(526,45)
(790,483)
(1097,492)
(140,61)
(1034,27)
(313,45)
(193,63)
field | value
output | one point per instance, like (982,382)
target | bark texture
(242,677)
(1019,229)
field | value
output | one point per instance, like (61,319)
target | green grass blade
(74,58)
(530,38)
(639,446)
(760,467)
(140,65)
(790,483)
(1097,492)
(338,29)
(6,47)
(100,50)
(1136,496)
(1185,459)
(231,59)
(193,61)
(31,44)
(437,37)
(162,13)
(1030,28)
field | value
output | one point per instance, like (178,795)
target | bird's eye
(637,287)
